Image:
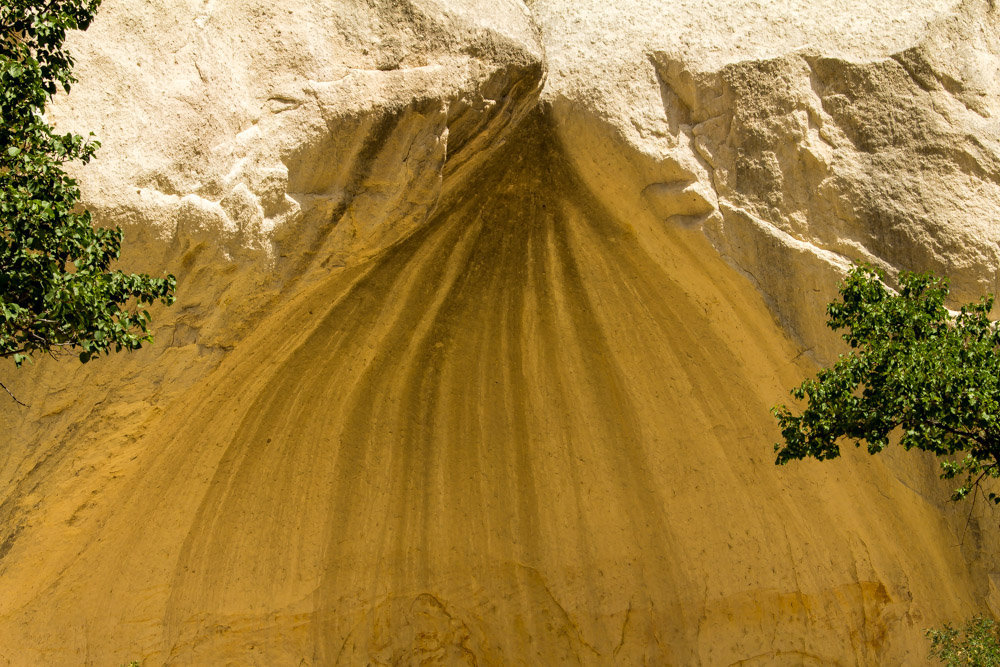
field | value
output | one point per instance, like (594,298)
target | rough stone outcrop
(482,307)
(801,137)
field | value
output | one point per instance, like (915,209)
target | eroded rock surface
(482,307)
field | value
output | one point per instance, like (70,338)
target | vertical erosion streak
(454,465)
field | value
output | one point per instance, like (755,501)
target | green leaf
(914,375)
(58,288)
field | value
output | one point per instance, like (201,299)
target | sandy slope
(515,438)
(482,308)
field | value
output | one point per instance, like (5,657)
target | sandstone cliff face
(482,307)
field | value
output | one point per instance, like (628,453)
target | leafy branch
(57,288)
(915,372)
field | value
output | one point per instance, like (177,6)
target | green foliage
(913,370)
(57,290)
(979,646)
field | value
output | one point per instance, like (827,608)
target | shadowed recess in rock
(483,418)
(514,437)
(488,365)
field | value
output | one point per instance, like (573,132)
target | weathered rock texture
(482,307)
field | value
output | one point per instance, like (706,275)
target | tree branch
(976,490)
(963,434)
(4,387)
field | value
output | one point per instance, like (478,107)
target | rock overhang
(461,365)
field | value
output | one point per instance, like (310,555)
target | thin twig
(968,517)
(13,396)
(976,490)
(963,434)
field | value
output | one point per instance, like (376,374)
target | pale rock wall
(800,136)
(482,307)
(244,130)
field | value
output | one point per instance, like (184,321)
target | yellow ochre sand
(514,438)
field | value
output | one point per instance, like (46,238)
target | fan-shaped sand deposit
(467,369)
